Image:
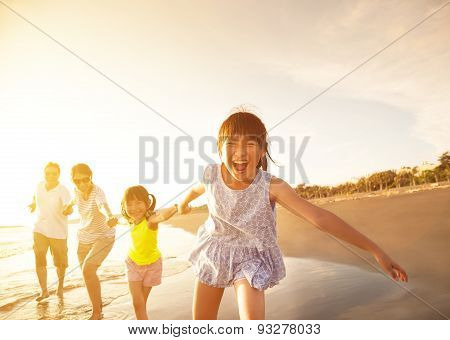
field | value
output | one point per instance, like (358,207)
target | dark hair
(244,123)
(81,168)
(139,193)
(54,165)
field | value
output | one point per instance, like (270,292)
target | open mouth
(240,166)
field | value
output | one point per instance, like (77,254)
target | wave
(11,249)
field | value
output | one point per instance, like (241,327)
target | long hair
(244,123)
(139,193)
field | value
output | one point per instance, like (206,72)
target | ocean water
(19,286)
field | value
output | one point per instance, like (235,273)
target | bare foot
(60,292)
(43,296)
(96,316)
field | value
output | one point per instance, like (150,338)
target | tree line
(383,180)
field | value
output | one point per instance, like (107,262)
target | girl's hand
(391,267)
(112,221)
(184,209)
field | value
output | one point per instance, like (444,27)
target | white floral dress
(239,239)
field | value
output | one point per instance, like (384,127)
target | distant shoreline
(361,195)
(382,193)
(338,198)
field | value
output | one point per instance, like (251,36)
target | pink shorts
(149,274)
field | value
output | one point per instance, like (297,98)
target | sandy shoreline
(324,279)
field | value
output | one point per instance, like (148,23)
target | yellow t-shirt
(143,248)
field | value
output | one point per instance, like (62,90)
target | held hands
(184,209)
(392,268)
(112,221)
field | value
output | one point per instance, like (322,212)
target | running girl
(237,245)
(144,264)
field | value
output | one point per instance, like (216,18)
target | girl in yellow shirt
(144,264)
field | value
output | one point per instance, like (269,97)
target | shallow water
(19,286)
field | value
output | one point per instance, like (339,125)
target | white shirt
(93,223)
(50,220)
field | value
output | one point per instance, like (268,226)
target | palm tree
(414,172)
(362,184)
(398,181)
(435,173)
(426,176)
(375,179)
(403,177)
(444,167)
(387,178)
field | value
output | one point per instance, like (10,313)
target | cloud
(412,74)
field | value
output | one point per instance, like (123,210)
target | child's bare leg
(139,295)
(146,292)
(206,301)
(250,300)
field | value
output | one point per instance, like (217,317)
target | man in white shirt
(50,229)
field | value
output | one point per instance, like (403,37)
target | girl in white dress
(237,245)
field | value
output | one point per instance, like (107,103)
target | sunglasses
(82,180)
(51,174)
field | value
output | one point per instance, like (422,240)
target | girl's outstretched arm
(162,215)
(284,194)
(196,191)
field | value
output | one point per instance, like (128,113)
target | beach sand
(325,279)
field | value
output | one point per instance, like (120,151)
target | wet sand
(325,280)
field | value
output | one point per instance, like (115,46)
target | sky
(193,62)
